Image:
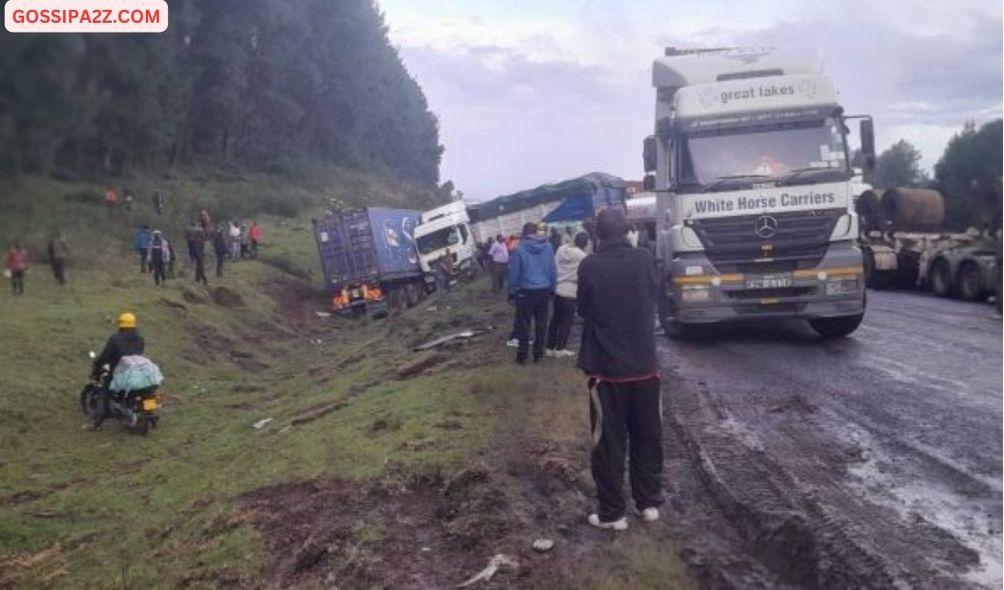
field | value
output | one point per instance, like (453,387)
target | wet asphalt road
(871,461)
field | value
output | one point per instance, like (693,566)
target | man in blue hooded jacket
(533,277)
(141,243)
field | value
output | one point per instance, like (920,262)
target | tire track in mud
(793,536)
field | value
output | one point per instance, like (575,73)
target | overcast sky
(529,92)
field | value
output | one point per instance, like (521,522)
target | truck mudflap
(700,294)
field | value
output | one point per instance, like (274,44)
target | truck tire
(868,261)
(940,278)
(412,294)
(969,283)
(837,327)
(672,328)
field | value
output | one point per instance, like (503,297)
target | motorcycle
(137,410)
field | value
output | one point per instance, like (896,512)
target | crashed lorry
(754,191)
(369,260)
(905,245)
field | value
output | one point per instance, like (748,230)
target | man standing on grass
(159,256)
(254,234)
(499,263)
(568,258)
(198,249)
(16,265)
(141,243)
(616,297)
(59,251)
(219,249)
(533,277)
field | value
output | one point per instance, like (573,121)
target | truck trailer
(905,245)
(369,259)
(754,191)
(563,203)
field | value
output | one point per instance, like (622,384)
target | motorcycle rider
(126,341)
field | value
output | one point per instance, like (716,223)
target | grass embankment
(380,466)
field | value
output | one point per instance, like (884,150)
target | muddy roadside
(438,528)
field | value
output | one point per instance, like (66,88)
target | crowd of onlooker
(227,240)
(539,271)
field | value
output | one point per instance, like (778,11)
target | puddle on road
(882,480)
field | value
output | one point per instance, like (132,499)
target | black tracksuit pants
(531,305)
(626,419)
(561,323)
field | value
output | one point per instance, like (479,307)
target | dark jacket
(532,266)
(122,343)
(616,296)
(219,243)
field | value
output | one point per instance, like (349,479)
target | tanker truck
(904,245)
(754,192)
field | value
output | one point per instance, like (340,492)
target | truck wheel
(412,295)
(969,282)
(836,327)
(868,261)
(940,278)
(672,328)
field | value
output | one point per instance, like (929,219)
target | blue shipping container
(371,244)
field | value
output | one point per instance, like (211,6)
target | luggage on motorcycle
(135,372)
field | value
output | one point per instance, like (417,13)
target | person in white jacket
(567,259)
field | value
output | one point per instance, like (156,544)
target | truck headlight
(841,286)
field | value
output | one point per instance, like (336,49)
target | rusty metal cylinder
(869,208)
(912,209)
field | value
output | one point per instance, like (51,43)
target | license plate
(777,281)
(149,404)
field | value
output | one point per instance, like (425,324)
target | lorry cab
(754,191)
(445,228)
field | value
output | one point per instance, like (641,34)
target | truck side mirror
(867,130)
(649,154)
(648,183)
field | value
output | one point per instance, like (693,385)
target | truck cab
(446,228)
(754,192)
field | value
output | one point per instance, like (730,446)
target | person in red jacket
(254,235)
(16,263)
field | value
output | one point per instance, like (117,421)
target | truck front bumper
(834,288)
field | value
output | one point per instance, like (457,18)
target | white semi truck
(755,192)
(446,228)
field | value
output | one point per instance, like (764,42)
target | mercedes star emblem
(765,227)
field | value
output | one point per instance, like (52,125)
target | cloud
(528,93)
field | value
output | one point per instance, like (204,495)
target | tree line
(968,173)
(270,85)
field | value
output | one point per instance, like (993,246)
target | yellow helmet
(127,320)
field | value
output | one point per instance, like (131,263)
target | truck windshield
(768,153)
(448,236)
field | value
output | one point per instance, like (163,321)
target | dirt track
(873,461)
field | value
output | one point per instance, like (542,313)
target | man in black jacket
(617,299)
(125,342)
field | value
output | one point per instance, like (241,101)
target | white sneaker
(650,514)
(614,525)
(512,343)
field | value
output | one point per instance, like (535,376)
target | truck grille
(800,234)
